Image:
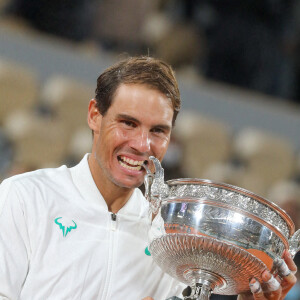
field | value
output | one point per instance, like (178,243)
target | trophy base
(204,277)
(203,283)
(207,263)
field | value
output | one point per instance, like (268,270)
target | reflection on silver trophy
(214,237)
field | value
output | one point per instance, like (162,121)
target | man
(81,233)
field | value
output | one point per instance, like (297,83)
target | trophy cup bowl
(214,237)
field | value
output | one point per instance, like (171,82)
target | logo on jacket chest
(65,225)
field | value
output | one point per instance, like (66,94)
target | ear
(94,117)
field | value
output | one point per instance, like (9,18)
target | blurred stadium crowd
(250,44)
(253,44)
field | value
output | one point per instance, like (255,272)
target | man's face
(137,124)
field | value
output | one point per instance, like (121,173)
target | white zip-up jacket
(59,241)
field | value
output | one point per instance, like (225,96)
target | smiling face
(137,124)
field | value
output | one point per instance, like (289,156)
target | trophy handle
(294,243)
(155,187)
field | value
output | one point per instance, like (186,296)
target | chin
(129,184)
(133,185)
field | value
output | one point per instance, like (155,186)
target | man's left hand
(274,288)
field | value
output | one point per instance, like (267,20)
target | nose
(141,142)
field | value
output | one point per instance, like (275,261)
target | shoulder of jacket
(39,174)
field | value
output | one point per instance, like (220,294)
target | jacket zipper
(114,222)
(113,227)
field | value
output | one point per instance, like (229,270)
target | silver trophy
(214,237)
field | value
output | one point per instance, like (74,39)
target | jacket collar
(83,180)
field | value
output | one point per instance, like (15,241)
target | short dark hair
(138,70)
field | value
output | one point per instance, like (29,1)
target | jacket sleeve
(14,241)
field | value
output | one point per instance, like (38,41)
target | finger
(289,261)
(287,276)
(272,287)
(147,298)
(245,296)
(281,267)
(256,289)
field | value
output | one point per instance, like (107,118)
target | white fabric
(99,259)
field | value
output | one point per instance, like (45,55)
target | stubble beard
(110,177)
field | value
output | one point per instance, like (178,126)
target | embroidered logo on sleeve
(65,226)
(147,252)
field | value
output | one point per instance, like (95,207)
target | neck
(115,196)
(115,199)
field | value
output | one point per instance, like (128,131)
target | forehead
(139,98)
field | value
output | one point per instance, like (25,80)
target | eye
(158,130)
(128,123)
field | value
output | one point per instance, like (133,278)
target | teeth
(131,161)
(137,168)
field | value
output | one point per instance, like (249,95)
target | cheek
(110,133)
(116,137)
(121,134)
(160,148)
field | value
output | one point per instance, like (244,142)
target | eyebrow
(130,118)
